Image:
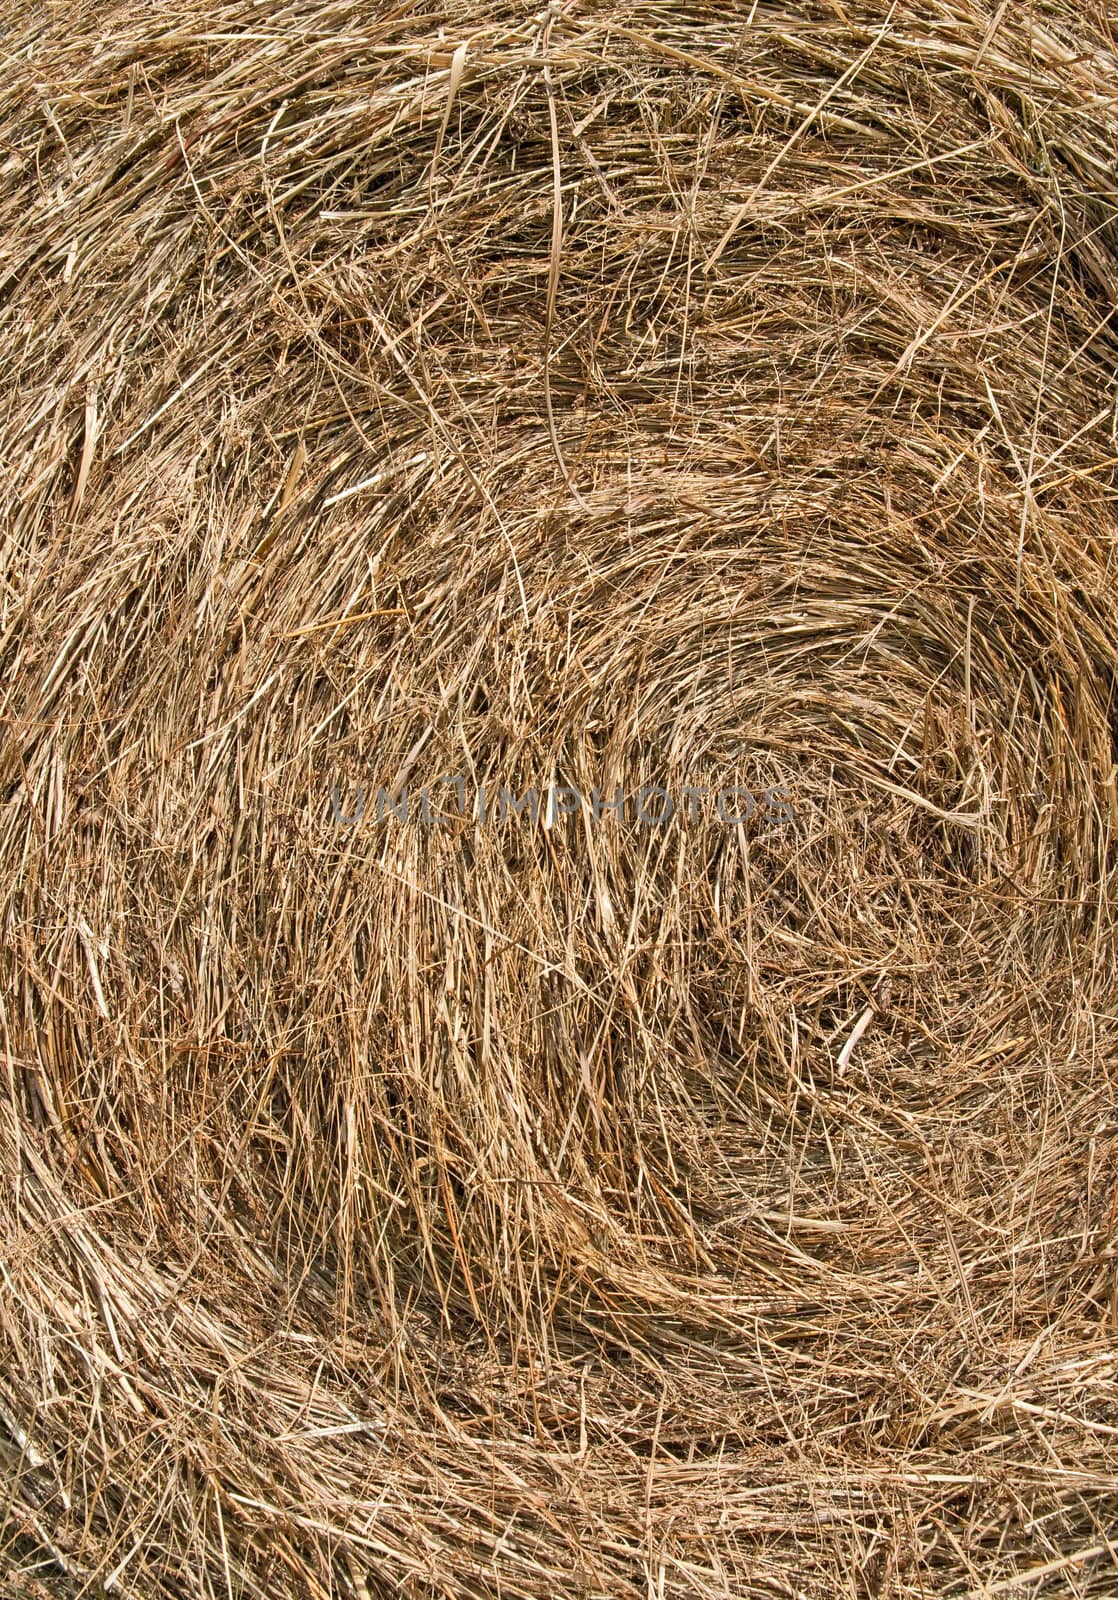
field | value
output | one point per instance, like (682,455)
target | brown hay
(593,1210)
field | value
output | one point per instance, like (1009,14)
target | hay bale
(491,1203)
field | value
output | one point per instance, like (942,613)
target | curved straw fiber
(574,1204)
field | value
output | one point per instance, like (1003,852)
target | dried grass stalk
(617,394)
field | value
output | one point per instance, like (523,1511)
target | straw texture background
(605,395)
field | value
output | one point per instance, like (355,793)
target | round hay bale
(559,657)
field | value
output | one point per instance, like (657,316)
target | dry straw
(619,393)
